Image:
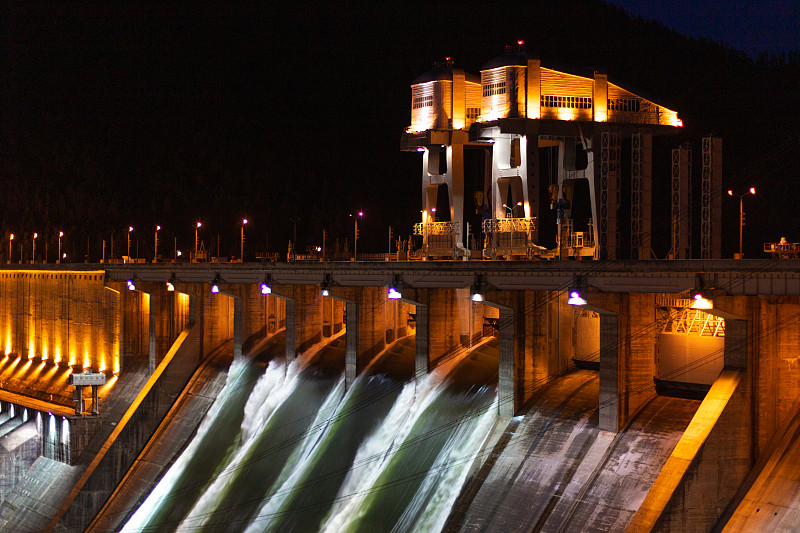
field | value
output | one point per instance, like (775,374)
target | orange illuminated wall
(60,317)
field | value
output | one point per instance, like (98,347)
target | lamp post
(196,227)
(355,235)
(155,244)
(10,242)
(241,251)
(60,234)
(130,230)
(33,250)
(752,191)
(511,209)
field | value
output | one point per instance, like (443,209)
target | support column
(736,343)
(681,203)
(507,368)
(365,332)
(351,359)
(303,317)
(711,200)
(609,372)
(641,194)
(422,357)
(237,327)
(151,357)
(455,188)
(291,330)
(609,171)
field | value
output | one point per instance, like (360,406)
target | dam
(421,396)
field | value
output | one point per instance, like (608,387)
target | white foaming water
(373,454)
(164,487)
(278,497)
(269,393)
(430,507)
(299,459)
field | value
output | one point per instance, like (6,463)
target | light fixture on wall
(395,289)
(477,289)
(215,284)
(577,293)
(325,286)
(265,285)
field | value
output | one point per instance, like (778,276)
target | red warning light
(447,58)
(520,42)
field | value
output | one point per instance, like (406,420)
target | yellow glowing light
(600,116)
(566,113)
(58,355)
(38,370)
(102,364)
(116,364)
(490,116)
(72,359)
(702,303)
(31,350)
(44,352)
(87,361)
(24,368)
(8,343)
(110,383)
(49,373)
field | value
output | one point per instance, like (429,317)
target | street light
(155,245)
(355,235)
(241,251)
(10,242)
(60,234)
(196,227)
(130,229)
(752,191)
(511,209)
(33,251)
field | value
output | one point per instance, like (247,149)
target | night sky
(748,25)
(117,115)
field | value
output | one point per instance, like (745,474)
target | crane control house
(521,135)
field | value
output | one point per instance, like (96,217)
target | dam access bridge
(723,332)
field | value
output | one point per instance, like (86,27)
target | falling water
(180,487)
(306,456)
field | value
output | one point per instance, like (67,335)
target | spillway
(291,450)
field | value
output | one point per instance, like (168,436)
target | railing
(435,228)
(782,249)
(505,225)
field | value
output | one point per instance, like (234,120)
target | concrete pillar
(151,352)
(609,372)
(351,359)
(422,358)
(365,332)
(303,310)
(291,330)
(443,321)
(736,343)
(237,327)
(507,367)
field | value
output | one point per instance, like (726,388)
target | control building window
(574,102)
(473,113)
(422,101)
(491,89)
(624,104)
